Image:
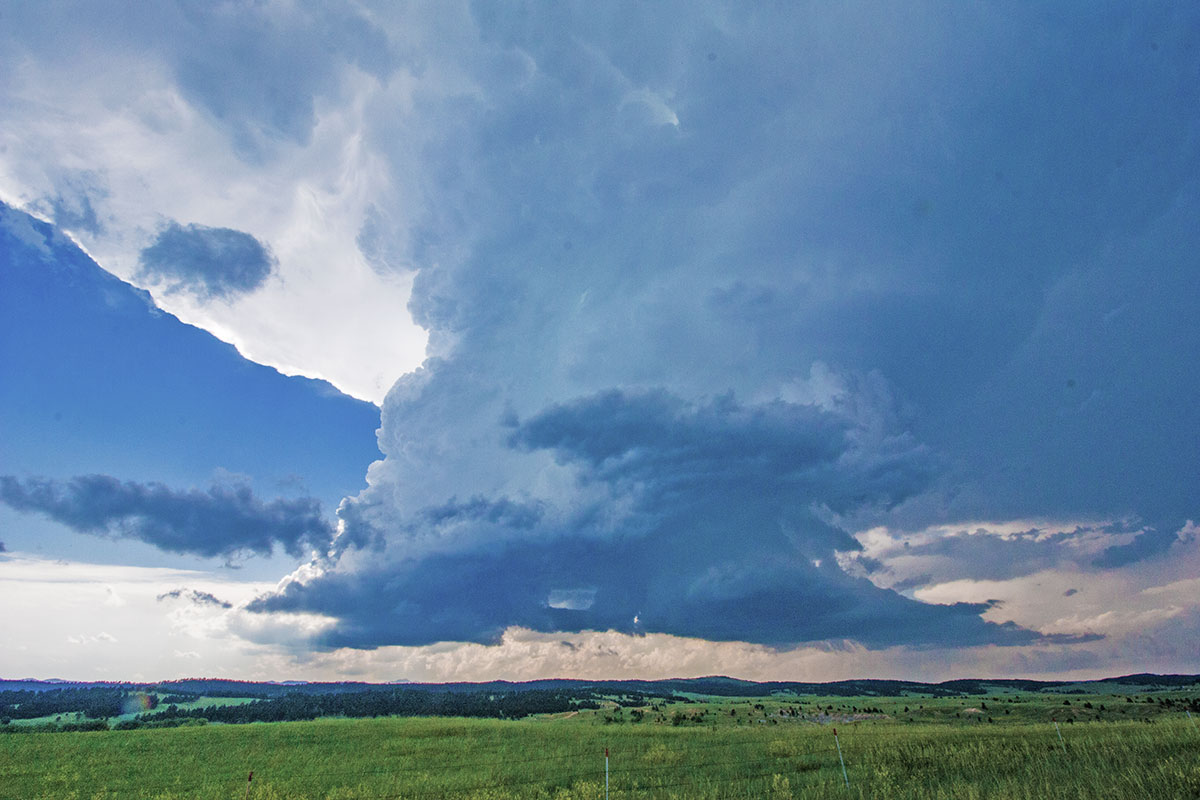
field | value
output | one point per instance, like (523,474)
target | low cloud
(206,262)
(904,560)
(1147,544)
(195,596)
(221,521)
(86,638)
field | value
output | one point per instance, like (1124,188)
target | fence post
(845,777)
(1060,739)
(606,773)
(248,779)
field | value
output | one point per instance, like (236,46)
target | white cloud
(86,638)
(114,598)
(54,607)
(1045,577)
(119,133)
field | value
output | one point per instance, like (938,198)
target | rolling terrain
(1125,737)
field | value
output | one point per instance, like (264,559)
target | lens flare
(137,702)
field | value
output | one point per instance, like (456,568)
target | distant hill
(714,686)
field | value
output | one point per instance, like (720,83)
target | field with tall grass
(1043,747)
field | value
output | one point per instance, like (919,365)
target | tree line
(93,703)
(381,703)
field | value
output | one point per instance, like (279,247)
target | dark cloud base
(475,597)
(719,538)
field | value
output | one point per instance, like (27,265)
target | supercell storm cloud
(809,326)
(725,305)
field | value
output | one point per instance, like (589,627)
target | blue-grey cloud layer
(721,533)
(709,287)
(221,521)
(207,262)
(679,223)
(257,73)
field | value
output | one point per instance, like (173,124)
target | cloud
(241,119)
(208,262)
(706,291)
(73,209)
(195,596)
(1146,544)
(990,552)
(707,352)
(786,453)
(48,601)
(705,519)
(99,638)
(906,560)
(222,521)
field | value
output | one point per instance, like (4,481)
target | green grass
(206,702)
(68,717)
(1144,753)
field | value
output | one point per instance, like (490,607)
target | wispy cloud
(195,596)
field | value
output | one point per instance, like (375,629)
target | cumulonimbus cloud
(703,309)
(709,291)
(711,521)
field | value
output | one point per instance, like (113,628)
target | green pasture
(69,717)
(207,702)
(720,748)
(992,709)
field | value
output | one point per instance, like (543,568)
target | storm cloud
(708,519)
(208,262)
(711,291)
(221,521)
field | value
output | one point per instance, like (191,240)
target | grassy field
(720,748)
(204,702)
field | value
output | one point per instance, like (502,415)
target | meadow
(1005,745)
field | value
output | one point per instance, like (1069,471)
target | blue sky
(800,341)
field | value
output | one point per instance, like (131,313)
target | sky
(463,341)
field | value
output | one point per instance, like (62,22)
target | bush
(86,725)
